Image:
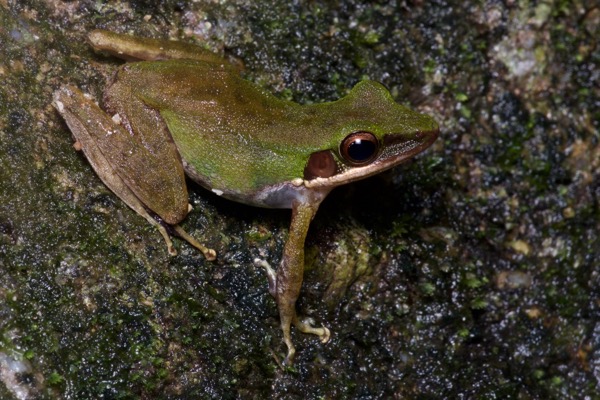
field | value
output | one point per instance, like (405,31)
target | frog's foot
(140,209)
(289,358)
(271,276)
(306,325)
(209,254)
(168,241)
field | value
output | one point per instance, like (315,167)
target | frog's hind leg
(133,48)
(160,184)
(144,155)
(114,156)
(84,117)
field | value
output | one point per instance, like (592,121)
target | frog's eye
(359,148)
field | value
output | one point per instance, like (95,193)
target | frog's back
(238,139)
(232,135)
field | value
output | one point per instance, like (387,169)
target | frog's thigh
(86,120)
(145,157)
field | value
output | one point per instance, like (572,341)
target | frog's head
(374,134)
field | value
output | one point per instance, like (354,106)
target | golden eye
(359,148)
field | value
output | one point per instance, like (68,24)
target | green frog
(181,110)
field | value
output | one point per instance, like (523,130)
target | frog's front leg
(285,283)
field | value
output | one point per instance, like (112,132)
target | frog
(175,109)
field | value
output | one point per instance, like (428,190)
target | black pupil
(361,150)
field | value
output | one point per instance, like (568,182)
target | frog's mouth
(396,150)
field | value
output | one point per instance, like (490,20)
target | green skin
(184,110)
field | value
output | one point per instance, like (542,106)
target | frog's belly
(282,195)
